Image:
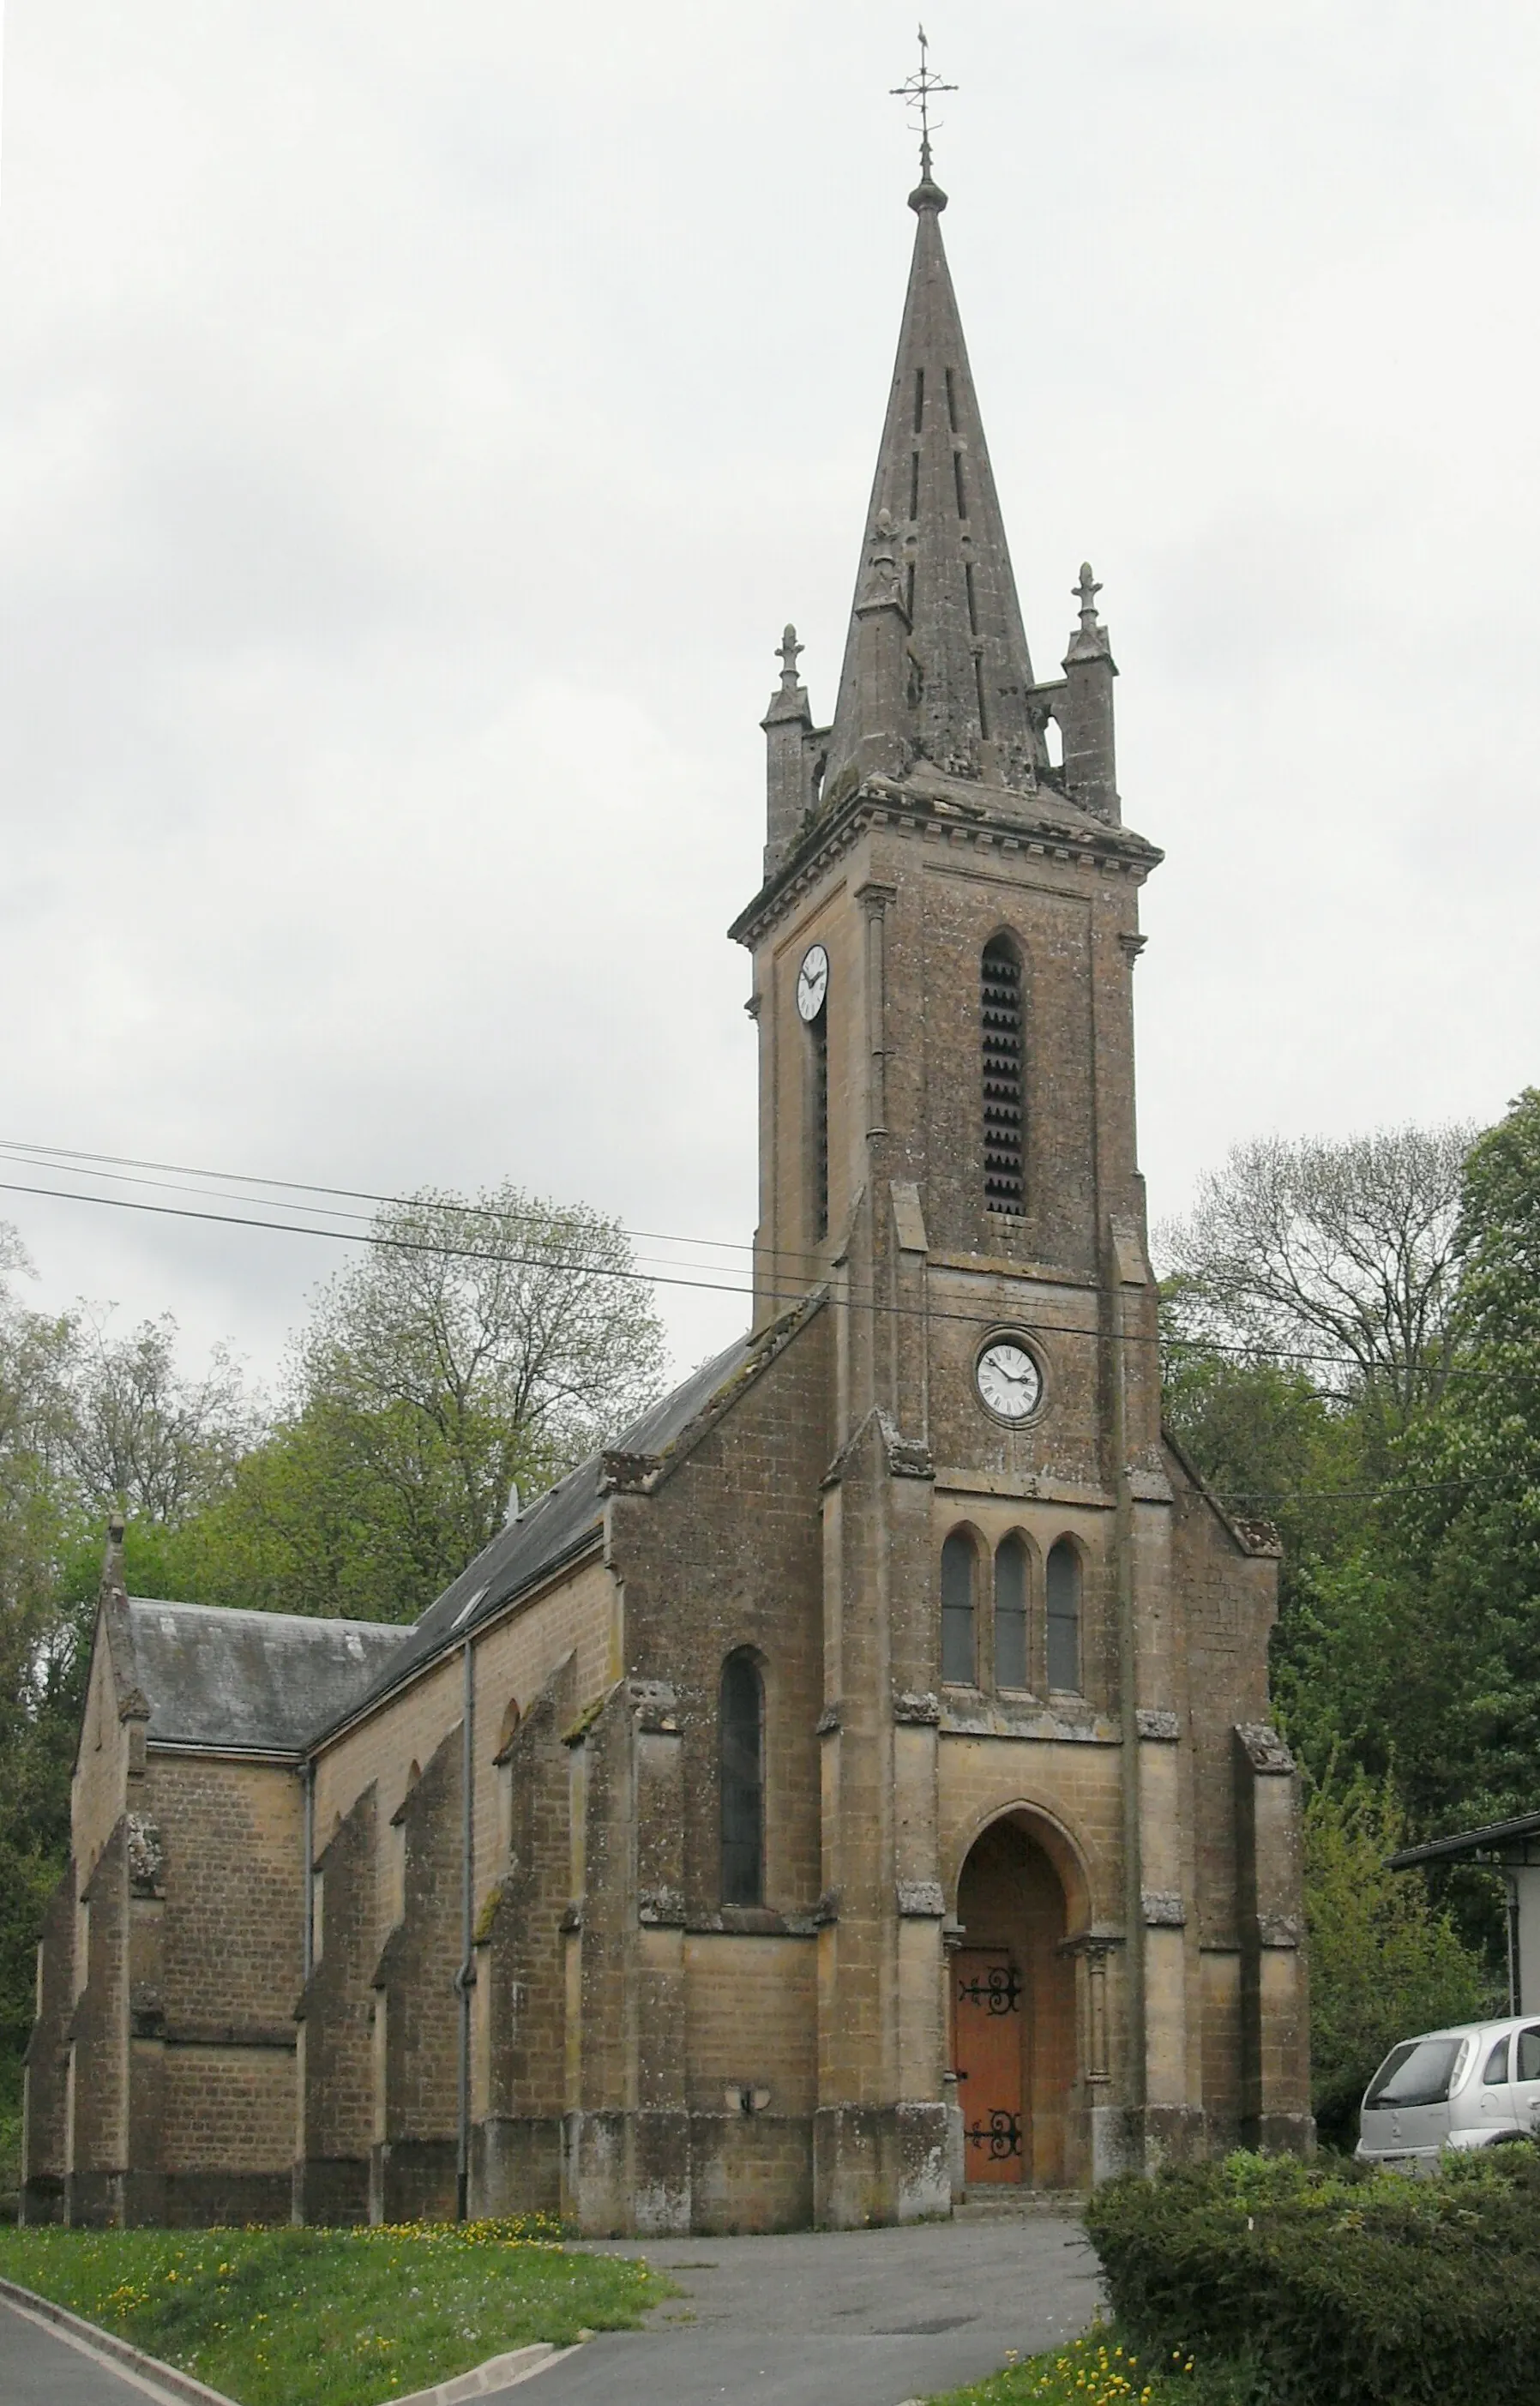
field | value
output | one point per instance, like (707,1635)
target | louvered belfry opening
(1005,1174)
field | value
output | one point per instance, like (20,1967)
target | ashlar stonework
(855,1786)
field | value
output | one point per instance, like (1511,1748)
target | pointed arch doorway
(1013,2011)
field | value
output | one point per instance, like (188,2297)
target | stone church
(855,1785)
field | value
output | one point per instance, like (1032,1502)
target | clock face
(813,982)
(1008,1380)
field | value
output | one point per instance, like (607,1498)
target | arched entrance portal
(1013,2012)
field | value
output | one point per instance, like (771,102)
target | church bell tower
(1015,1769)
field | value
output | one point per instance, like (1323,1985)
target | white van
(1474,2086)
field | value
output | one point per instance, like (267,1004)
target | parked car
(1475,2087)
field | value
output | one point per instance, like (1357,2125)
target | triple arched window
(741,1726)
(1029,1638)
(1002,1043)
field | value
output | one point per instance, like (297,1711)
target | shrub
(1361,2289)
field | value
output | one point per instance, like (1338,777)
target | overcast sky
(417,422)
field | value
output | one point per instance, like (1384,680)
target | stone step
(997,2203)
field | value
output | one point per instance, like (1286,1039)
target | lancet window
(741,1738)
(959,1651)
(1063,1582)
(1011,1614)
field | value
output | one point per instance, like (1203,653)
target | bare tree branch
(1346,1250)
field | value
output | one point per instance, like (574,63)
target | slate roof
(250,1682)
(559,1523)
(274,1682)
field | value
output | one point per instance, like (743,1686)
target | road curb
(94,2340)
(498,2372)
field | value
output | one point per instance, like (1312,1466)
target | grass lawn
(1102,2369)
(332,2318)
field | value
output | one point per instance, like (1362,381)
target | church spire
(936,661)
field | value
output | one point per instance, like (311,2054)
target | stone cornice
(1045,826)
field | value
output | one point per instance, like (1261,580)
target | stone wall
(45,2133)
(521,2052)
(417,2099)
(99,2098)
(335,2061)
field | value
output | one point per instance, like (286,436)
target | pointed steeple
(936,665)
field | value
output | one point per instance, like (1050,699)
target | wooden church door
(987,2025)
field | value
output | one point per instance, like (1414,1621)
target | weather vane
(915,91)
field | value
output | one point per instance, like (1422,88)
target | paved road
(38,2367)
(869,2317)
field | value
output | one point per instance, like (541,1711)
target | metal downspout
(1128,1663)
(465,1976)
(307,1946)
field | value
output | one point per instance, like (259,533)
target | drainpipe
(465,1976)
(307,1948)
(1128,1662)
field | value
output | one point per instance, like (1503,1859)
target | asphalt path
(40,2367)
(869,2318)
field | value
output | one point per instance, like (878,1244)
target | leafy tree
(142,1434)
(39,1675)
(1462,1520)
(1385,1962)
(1266,1440)
(1362,1252)
(481,1343)
(1353,1251)
(1345,1249)
(87,1419)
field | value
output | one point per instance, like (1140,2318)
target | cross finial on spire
(787,652)
(1085,593)
(915,91)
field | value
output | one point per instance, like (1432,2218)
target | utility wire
(781,1297)
(48,1155)
(44,1156)
(367,1235)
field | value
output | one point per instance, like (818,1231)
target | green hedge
(1339,2288)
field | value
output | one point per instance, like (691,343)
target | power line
(45,1156)
(737,1284)
(651,1277)
(351,1236)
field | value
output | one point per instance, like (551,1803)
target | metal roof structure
(1507,1845)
